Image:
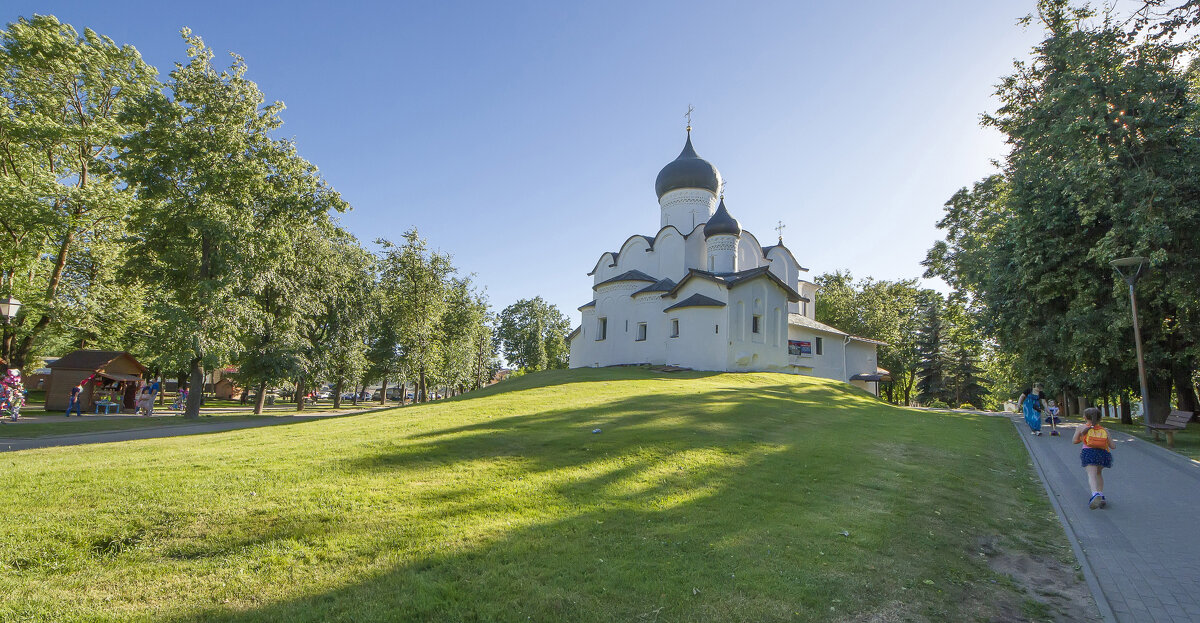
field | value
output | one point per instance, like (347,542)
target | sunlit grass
(704,497)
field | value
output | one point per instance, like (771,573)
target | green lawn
(705,497)
(1187,441)
(27,430)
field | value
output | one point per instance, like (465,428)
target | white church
(704,294)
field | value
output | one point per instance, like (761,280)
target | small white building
(704,294)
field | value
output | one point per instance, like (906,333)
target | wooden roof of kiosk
(74,367)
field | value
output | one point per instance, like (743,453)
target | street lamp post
(9,307)
(1132,268)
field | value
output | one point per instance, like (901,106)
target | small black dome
(688,171)
(721,223)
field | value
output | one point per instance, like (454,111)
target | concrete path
(152,432)
(1141,554)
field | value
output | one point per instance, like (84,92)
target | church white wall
(784,267)
(700,344)
(861,358)
(767,349)
(829,364)
(696,254)
(750,253)
(603,271)
(636,255)
(809,291)
(669,250)
(686,208)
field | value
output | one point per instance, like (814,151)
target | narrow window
(820,342)
(674,327)
(641,332)
(716,328)
(601,329)
(756,324)
(711,263)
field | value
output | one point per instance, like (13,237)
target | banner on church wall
(797,347)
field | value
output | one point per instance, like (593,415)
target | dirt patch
(1051,590)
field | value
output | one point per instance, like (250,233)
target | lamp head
(1131,268)
(9,307)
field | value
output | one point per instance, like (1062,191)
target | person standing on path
(75,400)
(1032,404)
(1096,454)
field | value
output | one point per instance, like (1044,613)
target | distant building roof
(90,360)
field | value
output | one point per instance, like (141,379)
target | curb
(1089,575)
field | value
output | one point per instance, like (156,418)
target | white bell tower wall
(722,252)
(686,208)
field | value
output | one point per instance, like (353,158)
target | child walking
(1096,454)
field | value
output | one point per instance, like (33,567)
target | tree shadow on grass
(668,514)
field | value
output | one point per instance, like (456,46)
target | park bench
(1175,422)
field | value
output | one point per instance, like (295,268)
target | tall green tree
(532,335)
(416,279)
(1103,164)
(880,310)
(214,189)
(64,104)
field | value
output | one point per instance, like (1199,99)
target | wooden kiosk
(116,373)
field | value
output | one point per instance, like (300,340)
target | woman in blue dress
(1032,404)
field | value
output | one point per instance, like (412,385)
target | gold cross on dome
(689,117)
(779,228)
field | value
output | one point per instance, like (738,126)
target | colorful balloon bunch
(12,393)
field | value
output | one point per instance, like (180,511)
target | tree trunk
(421,389)
(1107,412)
(403,393)
(1160,399)
(383,392)
(300,394)
(245,396)
(357,393)
(1126,412)
(1185,394)
(192,411)
(1083,403)
(337,394)
(261,398)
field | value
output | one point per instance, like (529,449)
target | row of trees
(164,218)
(1103,125)
(936,352)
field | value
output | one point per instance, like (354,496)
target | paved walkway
(1140,555)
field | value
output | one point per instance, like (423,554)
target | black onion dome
(722,223)
(688,171)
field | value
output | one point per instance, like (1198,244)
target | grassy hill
(718,497)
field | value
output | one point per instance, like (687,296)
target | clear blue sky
(524,138)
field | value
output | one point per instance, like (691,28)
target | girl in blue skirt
(1096,454)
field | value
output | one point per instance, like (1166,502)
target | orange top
(1097,437)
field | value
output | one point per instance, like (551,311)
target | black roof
(662,285)
(688,171)
(721,223)
(586,305)
(731,279)
(631,275)
(696,300)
